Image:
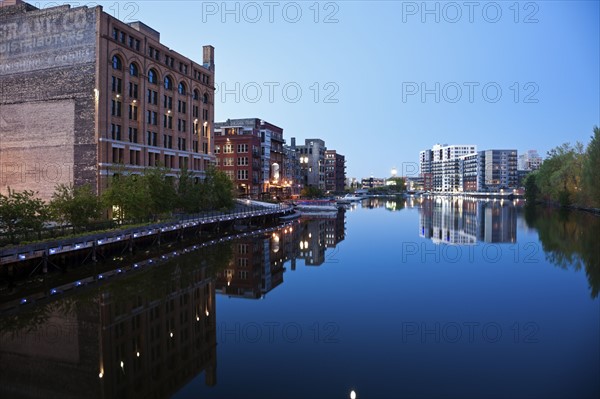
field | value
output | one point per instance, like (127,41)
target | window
(181,125)
(181,89)
(133,112)
(115,131)
(205,114)
(152,118)
(152,76)
(242,161)
(117,155)
(242,174)
(116,108)
(205,98)
(137,44)
(133,90)
(152,97)
(168,102)
(181,144)
(228,149)
(205,147)
(181,106)
(168,122)
(195,112)
(123,37)
(116,63)
(134,157)
(133,69)
(242,148)
(133,135)
(115,34)
(196,95)
(195,146)
(168,83)
(217,149)
(116,84)
(228,161)
(167,140)
(152,138)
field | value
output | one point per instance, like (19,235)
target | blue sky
(362,67)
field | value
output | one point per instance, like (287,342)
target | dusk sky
(506,75)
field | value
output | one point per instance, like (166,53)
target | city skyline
(542,56)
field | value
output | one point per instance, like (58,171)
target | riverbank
(42,253)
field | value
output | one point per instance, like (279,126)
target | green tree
(559,177)
(77,206)
(22,212)
(161,189)
(128,197)
(312,192)
(399,184)
(532,190)
(217,190)
(591,170)
(188,193)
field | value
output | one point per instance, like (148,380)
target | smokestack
(293,142)
(208,57)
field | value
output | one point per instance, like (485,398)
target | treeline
(569,176)
(127,199)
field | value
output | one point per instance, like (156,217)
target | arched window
(196,95)
(116,63)
(205,98)
(133,69)
(152,76)
(168,83)
(181,88)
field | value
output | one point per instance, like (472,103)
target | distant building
(85,93)
(250,151)
(292,172)
(499,170)
(373,182)
(312,162)
(335,171)
(238,153)
(529,161)
(440,166)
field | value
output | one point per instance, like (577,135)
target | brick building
(335,172)
(81,91)
(250,151)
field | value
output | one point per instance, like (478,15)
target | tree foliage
(21,213)
(591,170)
(312,192)
(77,206)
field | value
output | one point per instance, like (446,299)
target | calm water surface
(417,299)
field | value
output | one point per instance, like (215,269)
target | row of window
(117,64)
(228,148)
(241,161)
(152,139)
(122,37)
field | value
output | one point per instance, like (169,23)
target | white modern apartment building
(445,165)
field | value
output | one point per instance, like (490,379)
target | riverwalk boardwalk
(249,212)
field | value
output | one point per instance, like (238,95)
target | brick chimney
(208,57)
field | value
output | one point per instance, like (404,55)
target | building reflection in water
(257,264)
(465,222)
(145,335)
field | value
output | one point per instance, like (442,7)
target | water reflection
(257,264)
(465,222)
(145,335)
(569,240)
